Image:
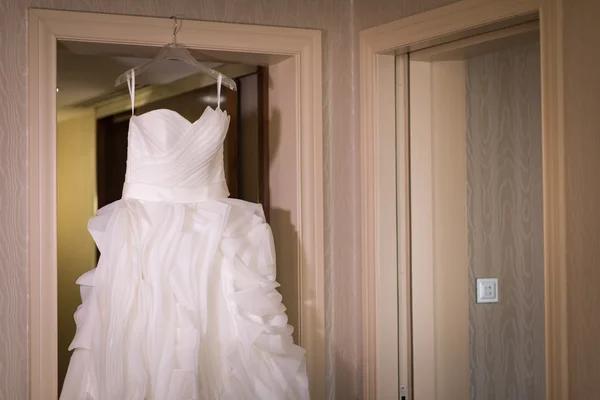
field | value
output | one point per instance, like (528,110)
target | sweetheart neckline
(168,110)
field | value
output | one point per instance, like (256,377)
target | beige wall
(504,175)
(582,148)
(76,174)
(340,20)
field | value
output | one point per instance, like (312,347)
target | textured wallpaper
(340,21)
(582,147)
(504,178)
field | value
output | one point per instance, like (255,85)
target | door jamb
(300,50)
(411,32)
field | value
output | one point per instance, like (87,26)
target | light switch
(487,290)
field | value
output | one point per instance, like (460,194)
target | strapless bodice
(173,160)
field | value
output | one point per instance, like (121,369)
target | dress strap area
(131,86)
(219,81)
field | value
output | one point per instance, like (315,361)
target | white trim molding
(458,20)
(301,46)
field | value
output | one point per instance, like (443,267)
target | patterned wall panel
(340,21)
(582,154)
(504,173)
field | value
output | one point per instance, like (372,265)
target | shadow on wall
(289,248)
(285,233)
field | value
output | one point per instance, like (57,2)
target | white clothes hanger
(174,51)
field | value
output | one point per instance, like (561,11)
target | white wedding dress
(183,303)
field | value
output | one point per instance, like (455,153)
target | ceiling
(87,71)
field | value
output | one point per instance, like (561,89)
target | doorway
(476,216)
(92,146)
(294,158)
(461,144)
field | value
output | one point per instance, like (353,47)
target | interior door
(439,230)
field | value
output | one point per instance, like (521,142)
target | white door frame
(294,56)
(384,228)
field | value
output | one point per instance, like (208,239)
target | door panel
(439,230)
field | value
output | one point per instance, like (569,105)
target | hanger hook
(176,26)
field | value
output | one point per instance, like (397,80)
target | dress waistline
(175,194)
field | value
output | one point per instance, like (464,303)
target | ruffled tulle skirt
(183,305)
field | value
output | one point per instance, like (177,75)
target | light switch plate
(487,290)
